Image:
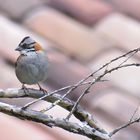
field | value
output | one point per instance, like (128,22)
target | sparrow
(32,65)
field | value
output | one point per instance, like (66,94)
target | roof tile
(21,130)
(122,31)
(130,7)
(18,8)
(87,11)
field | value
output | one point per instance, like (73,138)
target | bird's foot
(25,89)
(42,89)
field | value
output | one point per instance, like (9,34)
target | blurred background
(79,36)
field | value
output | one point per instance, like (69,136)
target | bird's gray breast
(32,68)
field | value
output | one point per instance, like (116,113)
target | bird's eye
(24,46)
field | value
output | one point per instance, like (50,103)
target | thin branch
(117,58)
(87,89)
(54,92)
(128,58)
(47,120)
(124,126)
(76,104)
(132,53)
(131,121)
(64,96)
(95,81)
(67,104)
(136,110)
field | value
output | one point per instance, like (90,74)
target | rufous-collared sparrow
(32,64)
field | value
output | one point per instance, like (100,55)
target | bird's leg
(24,88)
(42,89)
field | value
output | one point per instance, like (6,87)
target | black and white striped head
(28,45)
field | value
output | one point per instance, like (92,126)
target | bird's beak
(18,49)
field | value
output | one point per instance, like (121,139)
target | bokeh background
(79,36)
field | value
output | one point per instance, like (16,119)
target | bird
(31,66)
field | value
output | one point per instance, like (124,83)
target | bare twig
(76,103)
(65,95)
(95,81)
(124,126)
(130,122)
(128,58)
(47,120)
(136,110)
(53,92)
